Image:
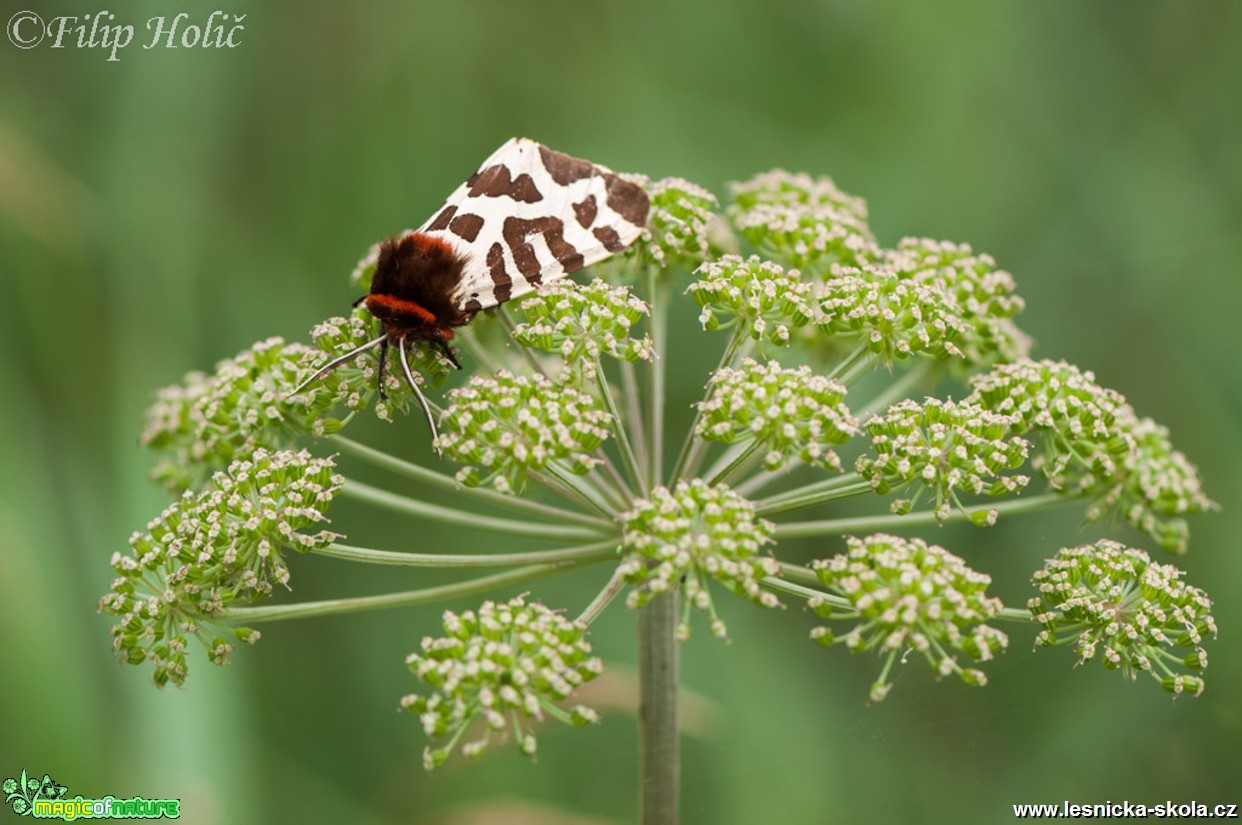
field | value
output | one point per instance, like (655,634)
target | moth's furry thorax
(412,291)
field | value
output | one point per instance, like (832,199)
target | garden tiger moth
(527,217)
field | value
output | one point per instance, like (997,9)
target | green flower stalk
(560,431)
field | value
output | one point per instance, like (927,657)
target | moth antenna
(359,301)
(336,362)
(422,399)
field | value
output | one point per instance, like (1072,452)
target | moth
(527,217)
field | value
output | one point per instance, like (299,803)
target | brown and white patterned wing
(530,216)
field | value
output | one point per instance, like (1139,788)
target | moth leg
(383,357)
(356,303)
(442,342)
(422,399)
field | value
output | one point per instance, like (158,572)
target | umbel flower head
(801,221)
(214,549)
(508,664)
(1054,397)
(355,382)
(983,296)
(819,280)
(1157,486)
(678,225)
(753,295)
(792,413)
(210,420)
(1133,613)
(511,425)
(693,533)
(893,317)
(944,449)
(1093,445)
(904,595)
(583,322)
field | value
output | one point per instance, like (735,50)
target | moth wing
(532,215)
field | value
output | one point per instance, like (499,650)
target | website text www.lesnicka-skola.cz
(1126,810)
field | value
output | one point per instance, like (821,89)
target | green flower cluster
(1055,398)
(981,295)
(214,549)
(1093,445)
(582,322)
(801,221)
(685,536)
(931,298)
(893,317)
(907,595)
(678,224)
(793,413)
(943,448)
(208,421)
(354,382)
(755,295)
(1157,486)
(507,663)
(511,425)
(926,297)
(1115,601)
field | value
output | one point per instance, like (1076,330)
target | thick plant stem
(659,763)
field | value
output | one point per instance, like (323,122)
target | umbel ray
(527,217)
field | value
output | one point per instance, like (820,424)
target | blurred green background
(167,210)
